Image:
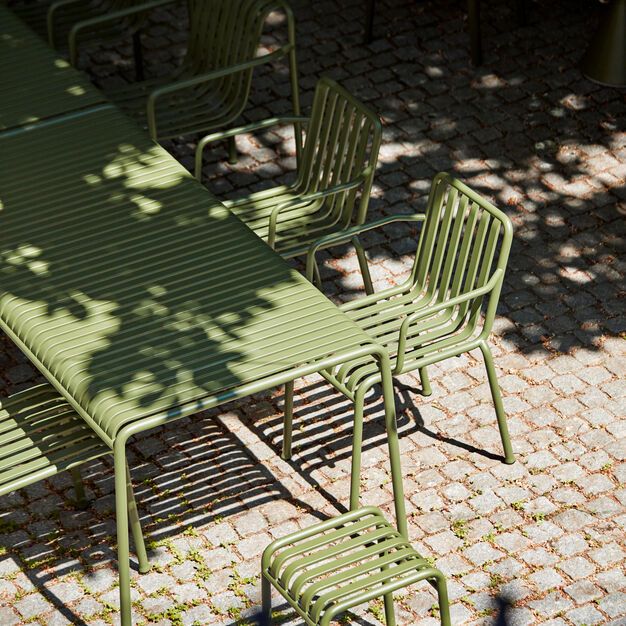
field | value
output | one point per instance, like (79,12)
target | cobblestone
(545,145)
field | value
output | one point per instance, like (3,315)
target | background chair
(211,88)
(41,436)
(435,314)
(336,164)
(68,22)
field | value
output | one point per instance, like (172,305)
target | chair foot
(425,380)
(79,489)
(509,457)
(288,422)
(232,151)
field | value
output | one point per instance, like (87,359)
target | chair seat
(40,436)
(382,319)
(297,227)
(191,110)
(343,562)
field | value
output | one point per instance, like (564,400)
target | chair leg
(509,457)
(232,150)
(135,526)
(363,265)
(357,445)
(288,421)
(424,378)
(390,614)
(138,55)
(79,489)
(266,606)
(444,603)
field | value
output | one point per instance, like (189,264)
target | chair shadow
(324,441)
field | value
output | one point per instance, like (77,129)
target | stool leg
(266,606)
(426,388)
(135,527)
(288,421)
(390,614)
(444,604)
(79,489)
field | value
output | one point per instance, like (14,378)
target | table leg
(473,11)
(121,513)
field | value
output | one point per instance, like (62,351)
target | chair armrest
(348,234)
(496,277)
(240,130)
(316,195)
(50,15)
(205,78)
(111,16)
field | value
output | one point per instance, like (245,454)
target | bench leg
(288,421)
(509,457)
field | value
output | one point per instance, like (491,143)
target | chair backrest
(224,33)
(342,142)
(464,240)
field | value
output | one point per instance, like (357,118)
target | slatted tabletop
(36,84)
(133,289)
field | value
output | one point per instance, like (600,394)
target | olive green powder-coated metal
(211,88)
(67,23)
(326,569)
(335,169)
(36,84)
(41,436)
(143,300)
(460,262)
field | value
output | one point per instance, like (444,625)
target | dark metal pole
(473,12)
(138,54)
(370,9)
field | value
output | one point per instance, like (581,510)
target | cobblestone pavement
(547,146)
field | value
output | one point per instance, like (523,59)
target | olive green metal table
(143,300)
(36,84)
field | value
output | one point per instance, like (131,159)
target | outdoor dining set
(142,298)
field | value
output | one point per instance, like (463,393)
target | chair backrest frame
(342,142)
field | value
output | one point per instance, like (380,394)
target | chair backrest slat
(463,240)
(342,140)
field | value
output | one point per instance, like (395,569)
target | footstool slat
(338,564)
